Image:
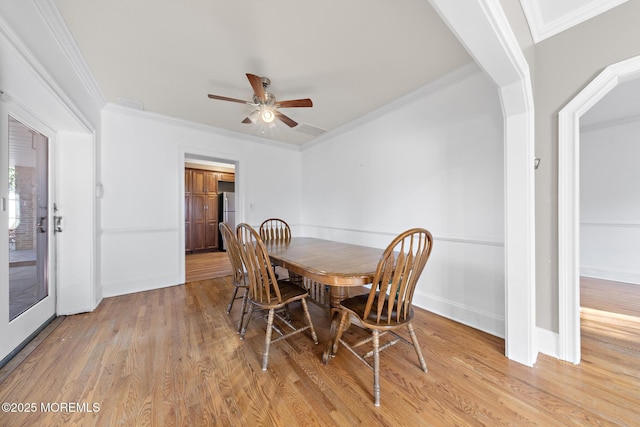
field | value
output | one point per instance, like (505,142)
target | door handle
(41,224)
(57,221)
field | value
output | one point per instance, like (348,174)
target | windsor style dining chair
(239,277)
(266,293)
(275,229)
(387,307)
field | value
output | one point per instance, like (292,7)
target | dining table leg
(337,295)
(296,279)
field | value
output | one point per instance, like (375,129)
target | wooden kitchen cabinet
(204,182)
(204,222)
(201,210)
(226,177)
(188,245)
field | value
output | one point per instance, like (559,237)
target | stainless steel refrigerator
(226,213)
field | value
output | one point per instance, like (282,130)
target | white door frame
(569,201)
(195,154)
(20,329)
(484,30)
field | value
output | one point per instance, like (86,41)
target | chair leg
(416,345)
(343,323)
(267,340)
(306,313)
(243,309)
(376,367)
(246,323)
(233,298)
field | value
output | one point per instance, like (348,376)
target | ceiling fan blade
(252,118)
(224,98)
(306,102)
(256,84)
(286,120)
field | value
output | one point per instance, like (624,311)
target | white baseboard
(608,274)
(477,319)
(130,287)
(68,311)
(547,342)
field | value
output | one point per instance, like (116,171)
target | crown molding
(542,29)
(148,115)
(24,54)
(53,19)
(443,82)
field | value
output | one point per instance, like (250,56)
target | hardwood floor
(609,296)
(172,357)
(206,265)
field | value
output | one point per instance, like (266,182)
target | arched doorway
(569,201)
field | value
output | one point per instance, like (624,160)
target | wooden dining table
(344,267)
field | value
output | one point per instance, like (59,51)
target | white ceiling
(350,57)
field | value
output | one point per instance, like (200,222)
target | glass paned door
(28,218)
(27,277)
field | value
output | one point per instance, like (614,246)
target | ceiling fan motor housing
(270,99)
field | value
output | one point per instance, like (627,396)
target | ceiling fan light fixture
(267,115)
(254,116)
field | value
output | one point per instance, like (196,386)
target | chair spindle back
(397,275)
(263,285)
(275,229)
(233,251)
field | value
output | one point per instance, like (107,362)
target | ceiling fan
(265,103)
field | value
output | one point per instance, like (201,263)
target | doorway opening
(209,199)
(569,339)
(609,229)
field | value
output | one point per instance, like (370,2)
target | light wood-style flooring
(206,265)
(172,357)
(609,296)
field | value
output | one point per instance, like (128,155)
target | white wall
(444,171)
(142,230)
(434,162)
(74,181)
(610,202)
